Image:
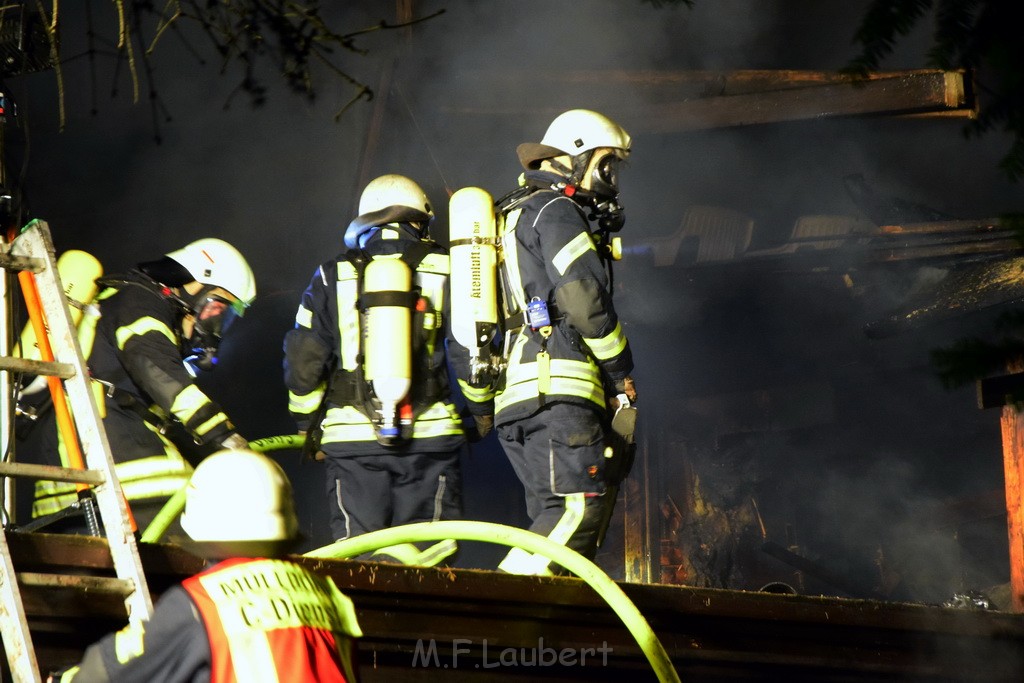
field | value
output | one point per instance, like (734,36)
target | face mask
(604,180)
(213,316)
(604,186)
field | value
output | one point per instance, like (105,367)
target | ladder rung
(51,473)
(29,263)
(90,584)
(37,367)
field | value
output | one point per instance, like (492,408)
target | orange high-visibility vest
(273,620)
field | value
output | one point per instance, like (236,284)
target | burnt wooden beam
(944,249)
(1012,427)
(639,558)
(943,227)
(672,102)
(900,94)
(942,239)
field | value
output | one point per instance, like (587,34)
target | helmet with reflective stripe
(216,263)
(390,198)
(239,503)
(575,132)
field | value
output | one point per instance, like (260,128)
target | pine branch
(261,38)
(978,36)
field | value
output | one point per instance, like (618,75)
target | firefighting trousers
(372,492)
(558,455)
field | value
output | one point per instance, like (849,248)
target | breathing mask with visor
(603,195)
(212,314)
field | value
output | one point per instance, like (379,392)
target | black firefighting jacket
(549,256)
(322,354)
(133,351)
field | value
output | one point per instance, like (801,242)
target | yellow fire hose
(466,530)
(500,534)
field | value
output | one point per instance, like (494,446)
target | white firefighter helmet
(575,132)
(393,190)
(214,262)
(387,199)
(239,503)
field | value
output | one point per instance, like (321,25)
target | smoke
(454,95)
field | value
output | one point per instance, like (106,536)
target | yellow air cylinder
(387,337)
(78,272)
(473,254)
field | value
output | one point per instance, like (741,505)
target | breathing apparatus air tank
(473,256)
(78,272)
(387,338)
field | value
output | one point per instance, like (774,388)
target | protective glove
(624,409)
(622,437)
(628,387)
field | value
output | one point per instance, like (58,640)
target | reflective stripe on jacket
(548,254)
(144,476)
(134,345)
(156,477)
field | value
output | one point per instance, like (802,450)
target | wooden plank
(953,226)
(885,254)
(88,584)
(13,262)
(636,515)
(901,94)
(61,552)
(502,87)
(37,367)
(51,473)
(1012,424)
(681,101)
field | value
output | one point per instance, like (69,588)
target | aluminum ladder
(33,251)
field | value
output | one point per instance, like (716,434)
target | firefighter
(366,371)
(144,325)
(568,356)
(250,615)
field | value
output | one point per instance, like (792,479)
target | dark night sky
(281,182)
